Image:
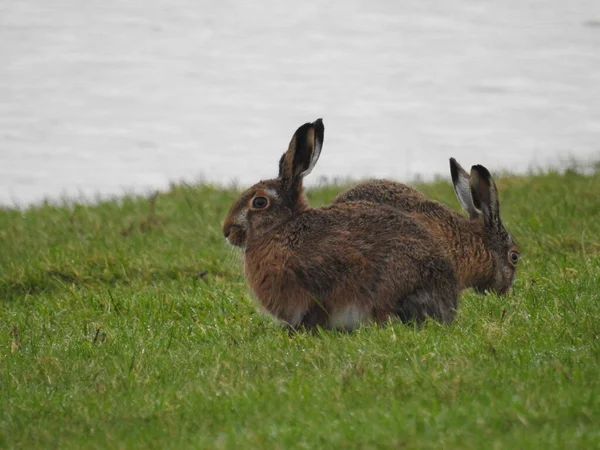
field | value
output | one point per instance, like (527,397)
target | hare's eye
(514,257)
(260,202)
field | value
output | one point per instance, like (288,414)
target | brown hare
(337,266)
(484,255)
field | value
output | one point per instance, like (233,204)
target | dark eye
(513,257)
(259,202)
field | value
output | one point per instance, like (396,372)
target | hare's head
(478,196)
(272,202)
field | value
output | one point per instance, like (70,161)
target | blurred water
(102,97)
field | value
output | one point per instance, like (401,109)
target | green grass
(127,324)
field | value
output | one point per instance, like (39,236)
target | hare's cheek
(509,278)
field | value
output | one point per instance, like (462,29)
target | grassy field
(127,324)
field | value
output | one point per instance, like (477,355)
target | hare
(340,265)
(484,255)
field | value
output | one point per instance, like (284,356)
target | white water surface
(103,97)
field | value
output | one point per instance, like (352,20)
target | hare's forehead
(268,189)
(513,243)
(271,193)
(508,240)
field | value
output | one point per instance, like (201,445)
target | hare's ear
(303,153)
(462,186)
(485,195)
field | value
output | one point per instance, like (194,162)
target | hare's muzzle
(235,235)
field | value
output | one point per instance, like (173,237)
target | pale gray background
(115,95)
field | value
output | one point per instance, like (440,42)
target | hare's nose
(226,232)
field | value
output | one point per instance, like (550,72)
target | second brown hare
(482,251)
(340,265)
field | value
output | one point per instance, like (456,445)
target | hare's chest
(275,285)
(264,267)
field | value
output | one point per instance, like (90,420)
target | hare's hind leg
(436,298)
(317,315)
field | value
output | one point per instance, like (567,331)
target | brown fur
(338,265)
(479,249)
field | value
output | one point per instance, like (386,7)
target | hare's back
(363,226)
(379,191)
(401,197)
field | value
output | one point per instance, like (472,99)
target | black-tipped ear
(303,153)
(461,181)
(485,195)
